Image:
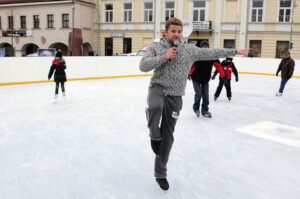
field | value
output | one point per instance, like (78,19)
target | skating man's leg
(171,109)
(198,95)
(219,89)
(205,101)
(228,90)
(154,111)
(282,84)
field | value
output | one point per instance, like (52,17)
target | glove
(276,74)
(236,79)
(213,77)
(189,77)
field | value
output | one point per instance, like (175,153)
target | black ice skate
(229,98)
(197,113)
(163,183)
(206,114)
(155,145)
(216,98)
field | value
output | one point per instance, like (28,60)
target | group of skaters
(200,74)
(172,67)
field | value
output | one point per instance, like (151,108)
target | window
(127,12)
(199,11)
(285,10)
(65,20)
(257,10)
(109,13)
(256,46)
(281,48)
(10,22)
(36,21)
(126,45)
(229,43)
(23,22)
(50,21)
(109,46)
(170,10)
(148,11)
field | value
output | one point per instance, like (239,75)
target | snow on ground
(95,144)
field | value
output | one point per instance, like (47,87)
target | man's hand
(189,77)
(242,52)
(171,53)
(236,79)
(213,77)
(276,74)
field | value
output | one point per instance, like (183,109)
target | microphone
(176,44)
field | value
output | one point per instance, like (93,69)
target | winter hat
(204,43)
(58,54)
(287,53)
(229,58)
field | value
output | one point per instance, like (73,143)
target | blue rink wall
(22,70)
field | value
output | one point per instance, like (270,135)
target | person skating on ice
(171,62)
(58,68)
(200,74)
(229,68)
(286,67)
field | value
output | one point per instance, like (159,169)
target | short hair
(173,21)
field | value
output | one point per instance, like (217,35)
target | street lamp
(294,5)
(72,36)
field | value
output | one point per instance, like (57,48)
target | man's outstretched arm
(214,53)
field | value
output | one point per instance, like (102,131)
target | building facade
(29,25)
(270,27)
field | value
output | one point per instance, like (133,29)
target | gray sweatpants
(162,114)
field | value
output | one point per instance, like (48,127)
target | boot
(206,114)
(197,113)
(163,183)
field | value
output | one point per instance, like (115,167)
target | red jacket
(228,68)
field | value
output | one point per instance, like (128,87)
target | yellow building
(270,27)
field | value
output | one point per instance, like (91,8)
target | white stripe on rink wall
(276,132)
(27,69)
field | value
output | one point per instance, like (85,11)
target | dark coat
(59,67)
(201,70)
(229,67)
(286,67)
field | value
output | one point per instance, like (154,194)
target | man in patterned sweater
(171,64)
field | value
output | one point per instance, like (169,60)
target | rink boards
(23,70)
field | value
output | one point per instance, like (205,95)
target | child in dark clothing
(228,67)
(59,66)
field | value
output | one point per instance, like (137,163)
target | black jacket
(202,71)
(286,67)
(59,67)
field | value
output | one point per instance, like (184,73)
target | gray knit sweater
(172,75)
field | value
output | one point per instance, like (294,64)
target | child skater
(59,66)
(229,67)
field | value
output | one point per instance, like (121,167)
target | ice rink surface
(95,144)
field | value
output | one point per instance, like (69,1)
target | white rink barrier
(20,70)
